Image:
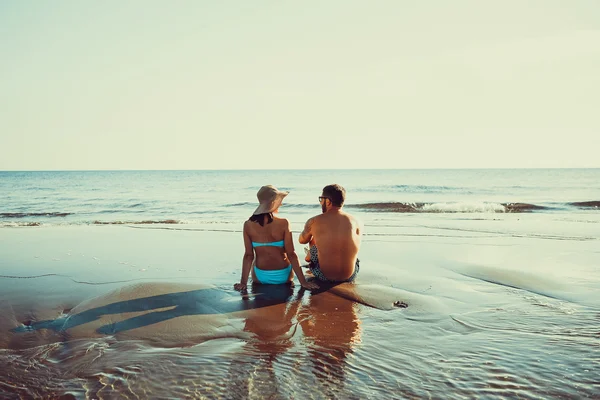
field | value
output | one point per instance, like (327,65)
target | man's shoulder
(340,215)
(315,219)
(313,222)
(356,220)
(353,217)
(353,220)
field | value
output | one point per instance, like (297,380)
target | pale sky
(299,84)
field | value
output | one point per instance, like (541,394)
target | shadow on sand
(172,305)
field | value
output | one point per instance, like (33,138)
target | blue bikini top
(275,244)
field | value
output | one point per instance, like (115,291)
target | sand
(93,311)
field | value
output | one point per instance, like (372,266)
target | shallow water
(496,309)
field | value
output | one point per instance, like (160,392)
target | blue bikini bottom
(273,277)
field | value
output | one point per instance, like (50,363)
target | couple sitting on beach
(333,238)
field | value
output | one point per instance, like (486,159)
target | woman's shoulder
(283,225)
(281,221)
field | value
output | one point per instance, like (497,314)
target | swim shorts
(316,269)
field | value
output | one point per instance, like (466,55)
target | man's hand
(240,286)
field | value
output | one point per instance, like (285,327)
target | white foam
(473,207)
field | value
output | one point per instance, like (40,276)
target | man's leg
(307,254)
(307,249)
(356,269)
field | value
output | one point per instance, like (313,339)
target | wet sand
(109,311)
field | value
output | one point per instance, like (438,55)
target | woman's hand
(240,286)
(309,285)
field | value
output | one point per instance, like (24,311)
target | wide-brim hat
(269,198)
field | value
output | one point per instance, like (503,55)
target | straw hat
(269,198)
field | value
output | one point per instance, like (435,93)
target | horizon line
(291,169)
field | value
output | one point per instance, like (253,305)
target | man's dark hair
(260,218)
(336,194)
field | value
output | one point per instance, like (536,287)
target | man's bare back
(336,235)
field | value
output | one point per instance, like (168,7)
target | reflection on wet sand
(272,327)
(271,360)
(331,329)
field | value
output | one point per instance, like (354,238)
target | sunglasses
(322,198)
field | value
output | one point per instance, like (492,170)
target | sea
(474,283)
(228,197)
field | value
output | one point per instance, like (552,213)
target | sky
(294,85)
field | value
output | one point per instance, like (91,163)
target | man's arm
(293,257)
(306,234)
(359,226)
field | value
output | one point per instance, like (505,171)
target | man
(334,239)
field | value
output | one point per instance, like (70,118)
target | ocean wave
(586,204)
(459,207)
(25,215)
(414,189)
(148,222)
(18,224)
(245,204)
(38,188)
(286,205)
(523,207)
(297,205)
(157,221)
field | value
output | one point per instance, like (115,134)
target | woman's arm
(246,261)
(293,257)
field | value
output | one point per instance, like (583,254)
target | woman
(268,242)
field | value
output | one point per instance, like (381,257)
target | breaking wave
(480,207)
(523,207)
(445,207)
(148,222)
(17,224)
(586,204)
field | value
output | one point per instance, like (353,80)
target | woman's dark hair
(336,194)
(260,218)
